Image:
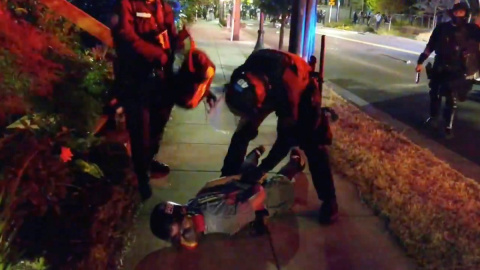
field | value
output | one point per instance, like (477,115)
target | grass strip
(431,208)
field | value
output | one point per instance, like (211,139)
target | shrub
(59,198)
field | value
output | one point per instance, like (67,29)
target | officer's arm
(295,84)
(282,145)
(475,32)
(431,46)
(127,33)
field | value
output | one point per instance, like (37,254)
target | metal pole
(259,44)
(236,20)
(310,27)
(337,16)
(330,14)
(321,73)
(297,27)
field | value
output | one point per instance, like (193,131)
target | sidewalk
(195,152)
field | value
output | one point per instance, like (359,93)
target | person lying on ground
(227,205)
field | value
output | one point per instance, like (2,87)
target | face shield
(219,116)
(460,13)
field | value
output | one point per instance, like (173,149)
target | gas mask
(459,21)
(188,235)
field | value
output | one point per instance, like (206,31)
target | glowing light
(311,30)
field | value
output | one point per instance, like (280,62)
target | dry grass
(432,209)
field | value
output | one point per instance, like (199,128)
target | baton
(417,78)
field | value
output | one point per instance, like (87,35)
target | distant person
(378,20)
(362,17)
(355,17)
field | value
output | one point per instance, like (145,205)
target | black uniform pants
(317,155)
(452,90)
(147,113)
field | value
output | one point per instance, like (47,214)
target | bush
(430,207)
(61,198)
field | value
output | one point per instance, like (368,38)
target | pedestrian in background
(378,20)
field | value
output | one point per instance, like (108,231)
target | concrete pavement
(383,76)
(195,152)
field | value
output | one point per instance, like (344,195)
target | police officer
(455,44)
(274,81)
(145,37)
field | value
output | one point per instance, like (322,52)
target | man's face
(460,13)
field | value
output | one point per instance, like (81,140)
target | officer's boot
(435,103)
(449,115)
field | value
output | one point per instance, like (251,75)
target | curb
(456,161)
(474,96)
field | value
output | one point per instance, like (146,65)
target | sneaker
(145,191)
(296,155)
(158,169)
(328,212)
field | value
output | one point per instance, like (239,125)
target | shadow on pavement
(413,110)
(241,251)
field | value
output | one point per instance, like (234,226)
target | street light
(259,44)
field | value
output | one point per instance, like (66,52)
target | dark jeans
(147,115)
(317,156)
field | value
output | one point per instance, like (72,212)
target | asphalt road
(380,70)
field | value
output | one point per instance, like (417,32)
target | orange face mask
(189,238)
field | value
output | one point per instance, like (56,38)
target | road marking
(374,44)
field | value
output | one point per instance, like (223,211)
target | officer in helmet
(275,81)
(227,205)
(455,44)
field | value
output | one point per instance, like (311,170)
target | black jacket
(455,48)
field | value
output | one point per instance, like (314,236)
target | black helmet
(164,215)
(461,6)
(242,93)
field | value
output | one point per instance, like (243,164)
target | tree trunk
(282,30)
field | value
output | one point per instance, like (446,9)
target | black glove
(211,100)
(252,176)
